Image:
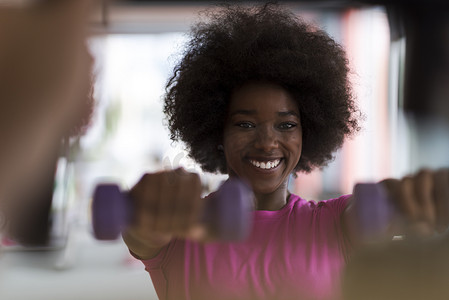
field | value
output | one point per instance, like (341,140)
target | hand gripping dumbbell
(227,213)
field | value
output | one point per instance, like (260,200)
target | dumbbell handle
(227,212)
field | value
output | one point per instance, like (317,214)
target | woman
(258,95)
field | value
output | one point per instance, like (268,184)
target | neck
(272,201)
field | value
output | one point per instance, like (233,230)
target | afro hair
(241,44)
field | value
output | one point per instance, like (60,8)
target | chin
(259,188)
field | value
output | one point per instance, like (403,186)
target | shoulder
(336,202)
(337,205)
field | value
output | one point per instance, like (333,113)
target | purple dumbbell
(374,211)
(227,213)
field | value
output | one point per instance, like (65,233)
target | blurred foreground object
(45,96)
(402,270)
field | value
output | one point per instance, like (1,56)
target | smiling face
(263,136)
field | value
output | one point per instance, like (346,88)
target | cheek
(233,140)
(295,145)
(298,143)
(234,145)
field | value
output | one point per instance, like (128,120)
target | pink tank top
(297,252)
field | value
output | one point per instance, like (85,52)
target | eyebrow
(243,112)
(252,112)
(288,113)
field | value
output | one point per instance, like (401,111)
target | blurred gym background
(137,43)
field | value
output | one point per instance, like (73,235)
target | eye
(245,124)
(287,125)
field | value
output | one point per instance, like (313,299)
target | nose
(266,138)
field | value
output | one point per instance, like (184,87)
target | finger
(441,195)
(423,183)
(145,198)
(180,210)
(168,186)
(417,225)
(409,205)
(392,186)
(189,204)
(152,202)
(393,189)
(407,199)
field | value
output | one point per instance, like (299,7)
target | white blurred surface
(86,269)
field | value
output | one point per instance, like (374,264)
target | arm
(143,246)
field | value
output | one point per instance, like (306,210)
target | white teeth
(265,165)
